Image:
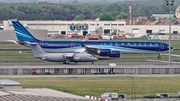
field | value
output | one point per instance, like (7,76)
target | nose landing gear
(159,56)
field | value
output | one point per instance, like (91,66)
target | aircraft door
(72,44)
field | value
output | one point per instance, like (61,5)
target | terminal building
(93,27)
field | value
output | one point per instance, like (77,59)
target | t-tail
(37,50)
(22,33)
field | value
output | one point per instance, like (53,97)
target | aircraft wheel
(159,57)
(65,62)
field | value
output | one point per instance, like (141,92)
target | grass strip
(131,86)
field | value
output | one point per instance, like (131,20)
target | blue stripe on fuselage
(114,45)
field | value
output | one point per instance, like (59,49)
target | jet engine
(104,52)
(108,52)
(115,54)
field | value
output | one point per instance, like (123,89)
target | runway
(84,64)
(88,64)
(102,61)
(125,62)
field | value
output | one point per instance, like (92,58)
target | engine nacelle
(104,52)
(108,52)
(115,54)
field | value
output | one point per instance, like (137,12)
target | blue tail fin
(22,33)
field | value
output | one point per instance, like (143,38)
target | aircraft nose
(171,48)
(95,59)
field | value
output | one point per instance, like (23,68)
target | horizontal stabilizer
(37,50)
(33,43)
(13,41)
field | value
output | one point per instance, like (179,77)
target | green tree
(68,11)
(122,15)
(106,17)
(75,1)
(152,18)
(79,17)
(138,23)
(173,19)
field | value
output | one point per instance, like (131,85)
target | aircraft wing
(69,55)
(90,49)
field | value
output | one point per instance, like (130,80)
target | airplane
(112,49)
(66,58)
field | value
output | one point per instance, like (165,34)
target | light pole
(169,3)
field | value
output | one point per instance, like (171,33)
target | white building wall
(121,27)
(154,28)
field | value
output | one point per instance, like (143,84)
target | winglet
(37,50)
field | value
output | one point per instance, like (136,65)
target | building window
(149,31)
(60,24)
(63,32)
(175,32)
(113,24)
(106,24)
(135,28)
(120,24)
(106,31)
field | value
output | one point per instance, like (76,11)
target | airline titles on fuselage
(122,44)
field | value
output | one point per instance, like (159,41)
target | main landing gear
(159,56)
(66,61)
